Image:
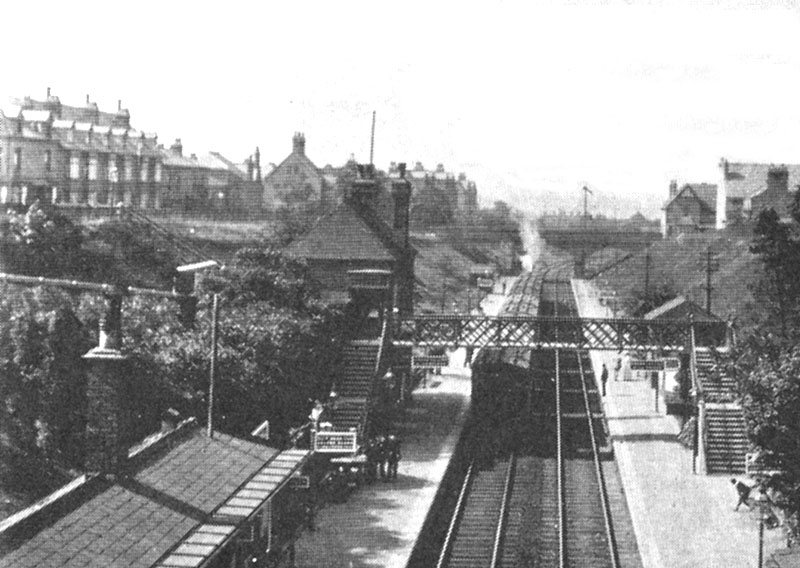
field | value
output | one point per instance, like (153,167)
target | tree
(766,357)
(41,244)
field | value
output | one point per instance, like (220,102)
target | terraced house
(81,156)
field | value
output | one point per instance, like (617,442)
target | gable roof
(137,519)
(342,234)
(679,308)
(294,156)
(706,193)
(744,180)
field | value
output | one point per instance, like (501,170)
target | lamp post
(763,507)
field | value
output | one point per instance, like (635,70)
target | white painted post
(702,468)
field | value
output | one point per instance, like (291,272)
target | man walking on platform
(744,493)
(604,378)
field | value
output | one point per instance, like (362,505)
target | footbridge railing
(462,330)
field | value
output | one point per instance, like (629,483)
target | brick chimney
(299,143)
(778,180)
(177,147)
(108,416)
(122,119)
(401,193)
(673,188)
(364,189)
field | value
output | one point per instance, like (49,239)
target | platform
(379,523)
(681,519)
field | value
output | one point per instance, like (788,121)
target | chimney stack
(177,147)
(673,188)
(299,143)
(364,190)
(401,193)
(258,165)
(778,180)
(108,416)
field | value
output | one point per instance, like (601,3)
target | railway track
(537,497)
(586,530)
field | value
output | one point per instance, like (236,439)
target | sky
(532,100)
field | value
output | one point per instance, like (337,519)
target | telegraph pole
(372,139)
(213,370)
(712,265)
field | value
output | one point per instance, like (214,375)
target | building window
(113,174)
(143,169)
(74,166)
(128,168)
(158,172)
(93,168)
(48,157)
(17,159)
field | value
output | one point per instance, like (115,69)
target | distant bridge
(582,242)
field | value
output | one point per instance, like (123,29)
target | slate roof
(744,180)
(342,234)
(136,520)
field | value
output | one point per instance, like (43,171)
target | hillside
(680,264)
(442,275)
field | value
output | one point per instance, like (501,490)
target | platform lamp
(193,269)
(761,501)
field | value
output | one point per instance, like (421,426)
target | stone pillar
(107,416)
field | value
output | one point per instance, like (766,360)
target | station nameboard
(645,365)
(332,442)
(299,482)
(429,361)
(485,283)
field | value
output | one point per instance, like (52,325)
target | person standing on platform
(381,456)
(617,368)
(604,378)
(393,456)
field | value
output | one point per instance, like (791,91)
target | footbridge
(550,332)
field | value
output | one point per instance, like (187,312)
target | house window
(74,166)
(158,172)
(93,168)
(48,156)
(17,159)
(143,169)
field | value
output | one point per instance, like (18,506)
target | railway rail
(542,499)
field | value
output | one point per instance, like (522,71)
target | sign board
(429,361)
(333,442)
(672,364)
(298,481)
(645,365)
(485,283)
